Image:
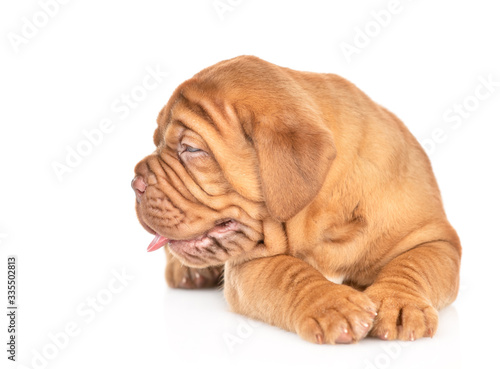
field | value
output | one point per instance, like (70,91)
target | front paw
(181,276)
(402,316)
(336,314)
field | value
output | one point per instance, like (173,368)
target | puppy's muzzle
(139,186)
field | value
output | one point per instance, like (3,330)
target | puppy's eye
(191,149)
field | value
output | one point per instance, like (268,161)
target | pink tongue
(158,242)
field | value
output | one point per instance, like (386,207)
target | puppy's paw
(181,276)
(402,316)
(336,314)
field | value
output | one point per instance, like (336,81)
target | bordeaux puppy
(319,203)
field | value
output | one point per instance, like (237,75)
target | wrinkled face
(187,199)
(241,148)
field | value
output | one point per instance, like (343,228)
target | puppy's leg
(412,287)
(289,293)
(181,276)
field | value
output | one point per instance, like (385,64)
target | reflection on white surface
(200,329)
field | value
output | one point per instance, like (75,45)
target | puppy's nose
(139,185)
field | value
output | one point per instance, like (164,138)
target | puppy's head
(239,143)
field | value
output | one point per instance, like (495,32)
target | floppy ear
(295,151)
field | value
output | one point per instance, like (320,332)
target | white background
(70,235)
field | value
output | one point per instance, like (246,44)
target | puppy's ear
(295,151)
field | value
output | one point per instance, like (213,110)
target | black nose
(139,185)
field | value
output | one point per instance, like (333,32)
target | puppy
(319,204)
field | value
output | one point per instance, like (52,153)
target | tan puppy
(319,203)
